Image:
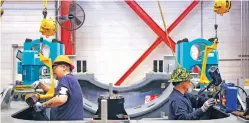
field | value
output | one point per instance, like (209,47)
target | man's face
(59,71)
(186,85)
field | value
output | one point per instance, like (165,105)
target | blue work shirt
(181,106)
(73,108)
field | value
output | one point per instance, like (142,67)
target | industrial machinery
(225,93)
(222,6)
(207,56)
(74,16)
(35,62)
(115,107)
(48,27)
(228,97)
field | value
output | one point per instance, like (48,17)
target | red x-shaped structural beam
(161,34)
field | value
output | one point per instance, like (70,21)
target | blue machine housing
(183,51)
(229,92)
(30,65)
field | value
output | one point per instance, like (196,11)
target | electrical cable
(241,89)
(215,26)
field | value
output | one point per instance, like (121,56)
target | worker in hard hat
(67,103)
(181,103)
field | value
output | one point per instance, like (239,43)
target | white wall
(113,37)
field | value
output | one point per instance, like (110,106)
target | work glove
(210,102)
(35,84)
(38,107)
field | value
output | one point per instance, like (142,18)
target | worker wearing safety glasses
(67,103)
(181,103)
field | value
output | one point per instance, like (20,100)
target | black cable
(241,89)
(244,92)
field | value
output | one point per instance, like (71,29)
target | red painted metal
(66,35)
(140,60)
(183,15)
(196,70)
(149,21)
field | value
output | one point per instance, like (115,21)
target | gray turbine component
(133,112)
(6,97)
(149,77)
(141,110)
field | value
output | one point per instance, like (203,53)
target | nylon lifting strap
(45,4)
(166,32)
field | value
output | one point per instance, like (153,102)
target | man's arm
(181,111)
(193,99)
(44,87)
(56,101)
(59,99)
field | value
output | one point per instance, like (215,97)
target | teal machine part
(183,52)
(30,65)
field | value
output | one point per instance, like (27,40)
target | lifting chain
(45,5)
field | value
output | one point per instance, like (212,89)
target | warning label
(150,98)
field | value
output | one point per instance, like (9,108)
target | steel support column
(66,36)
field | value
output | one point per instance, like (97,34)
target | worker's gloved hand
(210,102)
(35,84)
(38,107)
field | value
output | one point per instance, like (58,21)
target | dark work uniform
(181,106)
(73,108)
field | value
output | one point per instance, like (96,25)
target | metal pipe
(238,59)
(66,35)
(241,37)
(111,89)
(104,112)
(202,19)
(244,43)
(246,37)
(56,15)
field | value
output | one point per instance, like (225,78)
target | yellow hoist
(222,6)
(48,27)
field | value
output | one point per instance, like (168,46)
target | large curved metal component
(152,84)
(6,97)
(150,112)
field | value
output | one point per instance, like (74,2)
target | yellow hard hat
(48,27)
(62,59)
(222,6)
